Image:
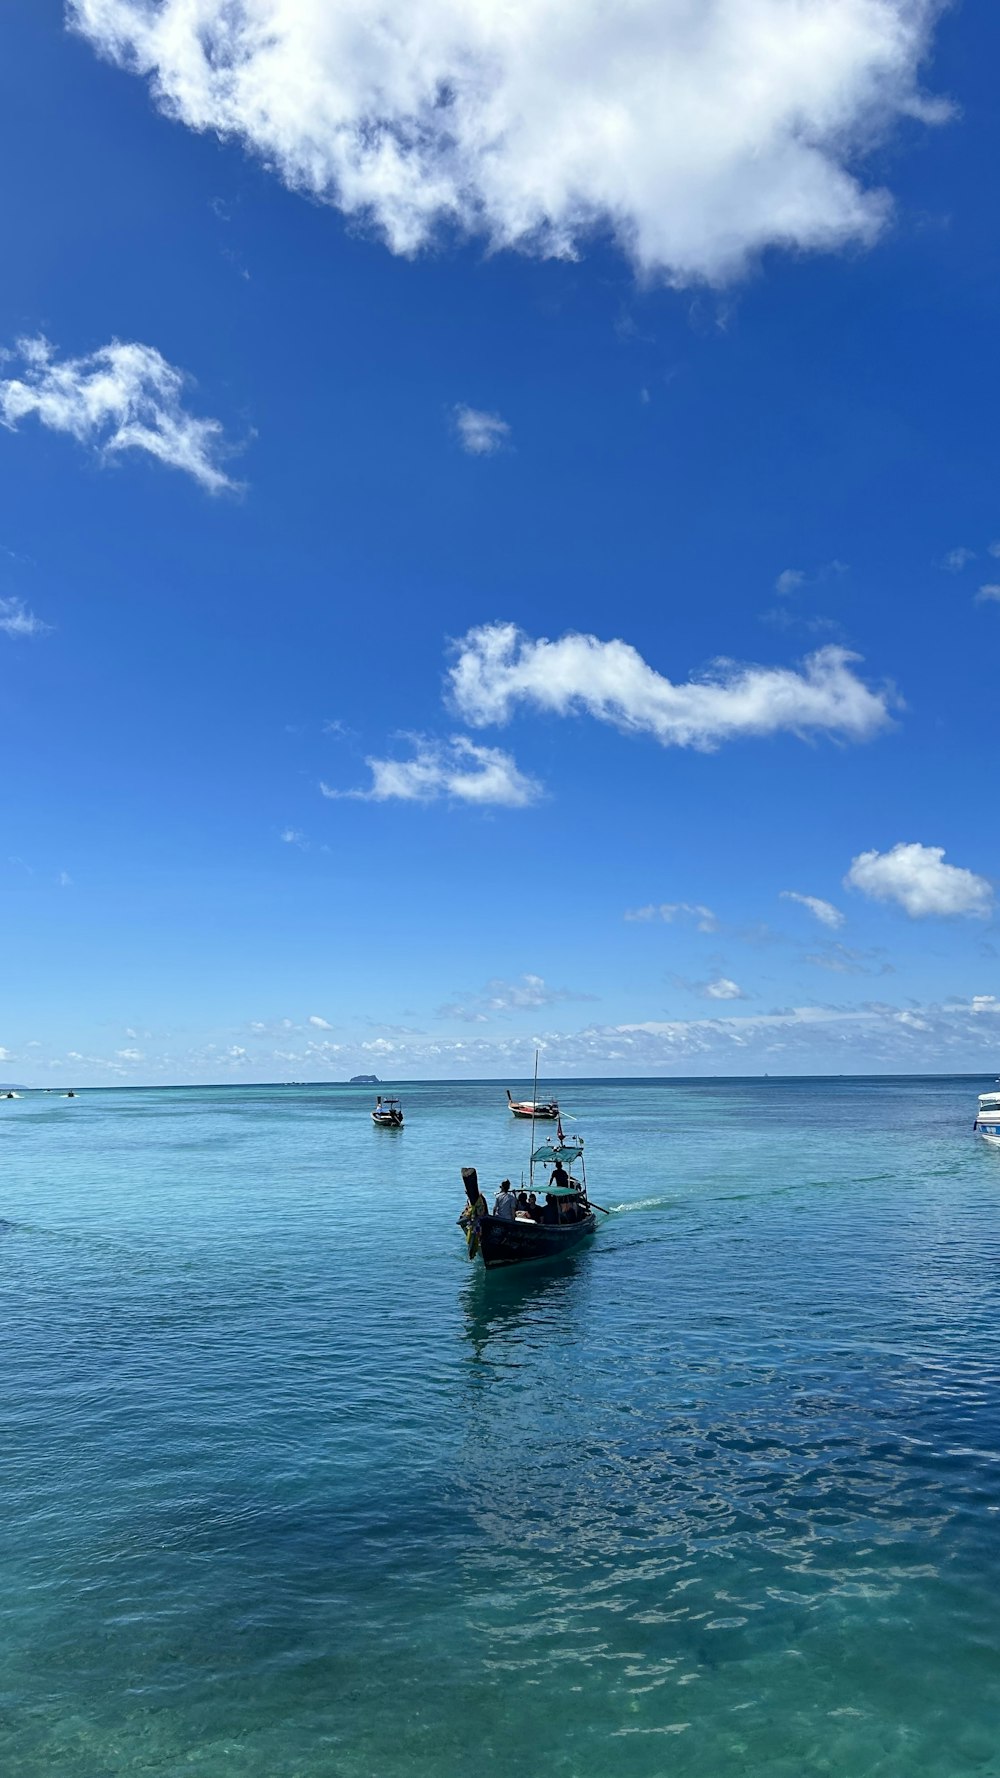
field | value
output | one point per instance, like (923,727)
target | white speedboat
(987,1124)
(388,1114)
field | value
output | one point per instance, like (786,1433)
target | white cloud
(957,559)
(498,667)
(723,989)
(669,911)
(6,1055)
(17,620)
(293,836)
(824,911)
(125,397)
(788,580)
(990,593)
(320,1024)
(698,134)
(458,769)
(985,1003)
(918,879)
(130,1055)
(64,880)
(481,434)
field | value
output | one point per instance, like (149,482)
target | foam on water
(291,1488)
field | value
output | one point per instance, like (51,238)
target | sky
(500,539)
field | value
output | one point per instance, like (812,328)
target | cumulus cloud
(320,1024)
(788,580)
(669,911)
(824,911)
(917,878)
(459,769)
(124,397)
(697,135)
(481,434)
(17,620)
(723,989)
(498,667)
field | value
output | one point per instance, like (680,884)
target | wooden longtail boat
(503,1242)
(388,1114)
(533,1108)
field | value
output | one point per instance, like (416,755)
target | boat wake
(642,1204)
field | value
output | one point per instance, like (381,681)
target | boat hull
(382,1122)
(539,1115)
(990,1132)
(505,1243)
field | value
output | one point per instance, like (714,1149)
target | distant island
(364,1080)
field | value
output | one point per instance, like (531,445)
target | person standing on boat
(559,1177)
(506,1203)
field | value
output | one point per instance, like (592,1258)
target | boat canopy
(551,1152)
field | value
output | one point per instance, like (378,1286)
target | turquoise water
(288,1487)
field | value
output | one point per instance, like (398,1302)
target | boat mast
(534,1101)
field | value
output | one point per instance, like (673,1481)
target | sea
(289,1488)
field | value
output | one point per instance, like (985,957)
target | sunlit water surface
(289,1488)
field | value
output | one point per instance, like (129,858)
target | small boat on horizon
(533,1108)
(987,1123)
(388,1114)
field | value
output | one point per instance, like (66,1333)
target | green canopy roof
(549,1153)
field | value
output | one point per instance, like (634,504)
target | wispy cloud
(824,911)
(479,433)
(699,135)
(498,667)
(458,769)
(526,994)
(919,881)
(17,620)
(842,959)
(293,836)
(988,594)
(957,559)
(788,580)
(669,911)
(124,397)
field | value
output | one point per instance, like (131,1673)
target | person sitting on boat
(551,1212)
(534,1208)
(522,1203)
(505,1205)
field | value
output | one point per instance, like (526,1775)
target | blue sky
(456,596)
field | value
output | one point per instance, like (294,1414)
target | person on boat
(551,1212)
(506,1203)
(522,1203)
(534,1207)
(559,1176)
